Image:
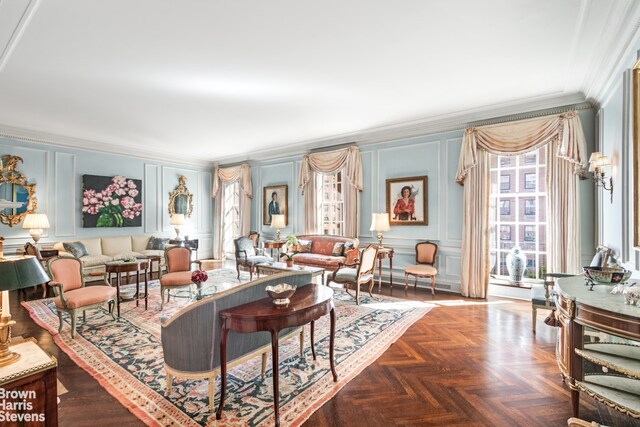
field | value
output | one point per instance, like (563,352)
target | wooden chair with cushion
(72,296)
(359,272)
(178,262)
(247,255)
(425,260)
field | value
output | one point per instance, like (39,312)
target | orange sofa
(321,251)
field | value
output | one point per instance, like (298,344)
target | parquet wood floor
(466,363)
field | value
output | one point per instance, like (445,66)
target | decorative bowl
(606,275)
(127,292)
(281,293)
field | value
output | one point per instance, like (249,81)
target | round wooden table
(118,267)
(273,244)
(308,304)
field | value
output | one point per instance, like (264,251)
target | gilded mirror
(180,199)
(15,189)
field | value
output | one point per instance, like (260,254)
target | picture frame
(412,210)
(271,206)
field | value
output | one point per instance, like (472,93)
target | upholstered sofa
(191,337)
(105,249)
(321,254)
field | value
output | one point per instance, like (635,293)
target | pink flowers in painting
(114,204)
(199,276)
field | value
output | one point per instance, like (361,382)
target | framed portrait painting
(407,201)
(274,202)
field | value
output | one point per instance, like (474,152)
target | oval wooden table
(308,304)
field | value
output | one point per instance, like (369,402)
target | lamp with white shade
(177,220)
(35,223)
(278,222)
(597,163)
(380,223)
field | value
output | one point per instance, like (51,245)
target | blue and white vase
(516,264)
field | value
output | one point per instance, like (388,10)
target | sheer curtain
(346,160)
(221,176)
(566,153)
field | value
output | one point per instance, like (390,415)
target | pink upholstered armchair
(178,270)
(71,294)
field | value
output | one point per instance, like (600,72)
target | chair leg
(371,283)
(406,282)
(84,316)
(74,317)
(44,290)
(263,369)
(357,293)
(301,342)
(112,311)
(169,383)
(433,285)
(238,270)
(161,298)
(60,317)
(534,317)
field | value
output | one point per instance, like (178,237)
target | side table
(152,259)
(385,252)
(273,244)
(118,268)
(308,304)
(34,377)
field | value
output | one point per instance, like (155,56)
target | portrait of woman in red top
(405,209)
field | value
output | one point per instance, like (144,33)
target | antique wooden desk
(308,304)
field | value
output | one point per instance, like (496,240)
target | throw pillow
(347,247)
(77,249)
(157,243)
(338,249)
(304,246)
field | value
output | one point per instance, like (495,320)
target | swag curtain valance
(222,176)
(564,139)
(346,160)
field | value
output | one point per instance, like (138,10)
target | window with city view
(331,204)
(517,211)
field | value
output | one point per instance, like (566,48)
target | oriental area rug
(125,357)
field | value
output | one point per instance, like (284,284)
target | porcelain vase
(516,264)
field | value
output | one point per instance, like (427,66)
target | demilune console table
(598,349)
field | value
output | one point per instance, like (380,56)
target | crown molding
(532,107)
(19,27)
(145,153)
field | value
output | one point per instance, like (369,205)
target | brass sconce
(597,163)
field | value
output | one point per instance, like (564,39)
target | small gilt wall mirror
(180,199)
(15,192)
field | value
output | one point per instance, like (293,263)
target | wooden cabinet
(598,348)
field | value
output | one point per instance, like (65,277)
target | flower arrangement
(199,276)
(114,204)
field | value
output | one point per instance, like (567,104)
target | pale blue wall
(57,173)
(433,155)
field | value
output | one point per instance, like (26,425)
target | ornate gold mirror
(15,192)
(180,199)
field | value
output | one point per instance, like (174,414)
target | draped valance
(240,173)
(331,162)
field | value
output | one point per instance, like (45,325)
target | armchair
(178,260)
(358,272)
(71,294)
(246,255)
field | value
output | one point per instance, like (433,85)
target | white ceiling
(221,80)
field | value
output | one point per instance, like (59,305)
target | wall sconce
(597,162)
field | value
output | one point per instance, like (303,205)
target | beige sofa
(105,249)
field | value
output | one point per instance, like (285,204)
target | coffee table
(308,304)
(278,267)
(194,291)
(137,266)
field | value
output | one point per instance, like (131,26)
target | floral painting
(111,201)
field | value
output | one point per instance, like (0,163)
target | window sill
(503,281)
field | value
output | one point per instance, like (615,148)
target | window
(505,207)
(505,232)
(230,217)
(530,159)
(330,212)
(529,233)
(529,206)
(505,183)
(530,181)
(505,161)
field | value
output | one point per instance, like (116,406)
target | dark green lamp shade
(21,272)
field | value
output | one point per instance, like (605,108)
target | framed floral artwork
(407,201)
(111,201)
(274,202)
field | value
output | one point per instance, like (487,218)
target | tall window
(330,204)
(230,217)
(515,188)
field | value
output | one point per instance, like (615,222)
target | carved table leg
(276,387)
(575,402)
(332,315)
(313,345)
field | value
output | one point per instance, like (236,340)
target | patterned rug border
(400,327)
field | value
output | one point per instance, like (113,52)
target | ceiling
(222,80)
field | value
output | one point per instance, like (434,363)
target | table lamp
(278,222)
(379,223)
(177,220)
(35,222)
(15,273)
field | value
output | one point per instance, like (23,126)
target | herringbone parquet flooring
(467,362)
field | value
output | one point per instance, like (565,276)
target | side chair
(247,255)
(72,296)
(425,260)
(359,272)
(178,262)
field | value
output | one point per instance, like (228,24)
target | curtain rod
(531,115)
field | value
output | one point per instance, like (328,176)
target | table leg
(332,316)
(313,345)
(118,276)
(276,363)
(223,369)
(138,287)
(391,272)
(379,274)
(146,286)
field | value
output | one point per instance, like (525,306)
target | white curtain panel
(222,176)
(566,154)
